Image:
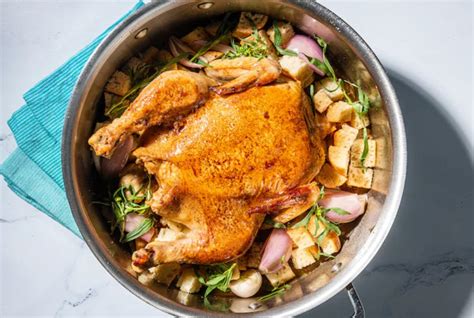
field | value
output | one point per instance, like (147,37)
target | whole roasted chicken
(222,146)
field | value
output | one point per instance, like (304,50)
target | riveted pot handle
(359,311)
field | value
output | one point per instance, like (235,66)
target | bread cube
(330,244)
(281,276)
(297,69)
(119,84)
(188,281)
(295,211)
(198,34)
(187,299)
(253,255)
(302,257)
(165,273)
(212,55)
(300,237)
(359,121)
(133,64)
(345,136)
(321,101)
(150,56)
(329,177)
(112,99)
(146,278)
(358,148)
(235,273)
(314,251)
(339,159)
(286,31)
(339,112)
(315,227)
(332,89)
(360,177)
(247,22)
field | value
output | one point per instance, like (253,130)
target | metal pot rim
(346,275)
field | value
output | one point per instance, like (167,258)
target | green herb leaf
(277,41)
(254,48)
(305,220)
(325,255)
(141,229)
(220,278)
(365,151)
(277,291)
(339,211)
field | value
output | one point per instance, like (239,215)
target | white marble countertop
(426,266)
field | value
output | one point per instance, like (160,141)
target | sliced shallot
(111,167)
(276,251)
(132,220)
(177,47)
(306,47)
(347,201)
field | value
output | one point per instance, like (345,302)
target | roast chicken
(218,152)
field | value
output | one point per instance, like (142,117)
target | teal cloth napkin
(34,170)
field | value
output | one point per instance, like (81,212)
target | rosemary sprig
(277,291)
(277,41)
(118,108)
(219,277)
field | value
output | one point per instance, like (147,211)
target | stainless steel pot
(354,59)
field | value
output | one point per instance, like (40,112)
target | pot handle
(359,311)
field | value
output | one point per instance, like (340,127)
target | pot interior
(161,20)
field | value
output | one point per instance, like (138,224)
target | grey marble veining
(425,267)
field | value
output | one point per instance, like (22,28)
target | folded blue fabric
(34,171)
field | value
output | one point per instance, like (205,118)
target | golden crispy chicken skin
(232,152)
(170,95)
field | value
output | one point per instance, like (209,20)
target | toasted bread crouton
(329,177)
(247,22)
(282,276)
(291,213)
(360,177)
(286,31)
(345,136)
(119,84)
(199,34)
(165,273)
(302,257)
(254,255)
(339,159)
(331,243)
(359,121)
(332,89)
(188,281)
(164,57)
(315,227)
(212,55)
(297,69)
(133,64)
(339,112)
(324,127)
(321,101)
(150,56)
(300,237)
(358,148)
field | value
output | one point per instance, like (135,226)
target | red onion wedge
(111,167)
(276,251)
(132,220)
(306,47)
(347,201)
(177,47)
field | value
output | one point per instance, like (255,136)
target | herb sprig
(219,277)
(277,41)
(127,200)
(277,291)
(320,215)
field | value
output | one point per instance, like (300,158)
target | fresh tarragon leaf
(277,291)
